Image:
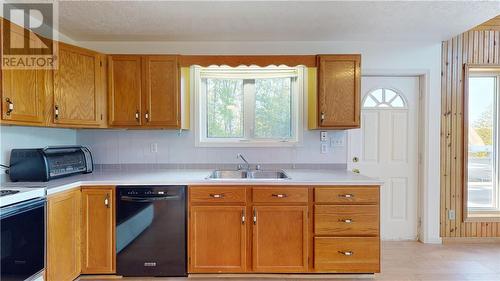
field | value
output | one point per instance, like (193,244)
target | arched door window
(384,98)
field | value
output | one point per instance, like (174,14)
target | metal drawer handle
(346,220)
(10,106)
(137,115)
(346,253)
(346,195)
(280,195)
(217,195)
(322,117)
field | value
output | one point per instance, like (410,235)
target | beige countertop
(198,177)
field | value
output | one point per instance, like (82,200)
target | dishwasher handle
(143,199)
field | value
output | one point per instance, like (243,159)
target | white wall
(30,137)
(378,58)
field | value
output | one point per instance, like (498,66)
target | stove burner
(8,192)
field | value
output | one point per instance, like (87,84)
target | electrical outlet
(323,136)
(451,214)
(154,148)
(324,148)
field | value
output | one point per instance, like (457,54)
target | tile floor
(411,261)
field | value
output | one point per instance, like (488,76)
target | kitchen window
(248,106)
(482,157)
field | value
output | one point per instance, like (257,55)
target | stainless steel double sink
(248,174)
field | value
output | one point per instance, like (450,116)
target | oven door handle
(149,199)
(21,207)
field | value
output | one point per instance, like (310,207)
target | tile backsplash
(138,146)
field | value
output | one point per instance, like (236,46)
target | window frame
(476,213)
(298,89)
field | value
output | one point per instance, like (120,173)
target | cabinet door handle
(217,195)
(137,115)
(106,201)
(322,118)
(280,195)
(346,195)
(254,216)
(346,220)
(56,112)
(243,217)
(10,106)
(146,115)
(346,253)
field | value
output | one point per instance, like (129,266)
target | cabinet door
(339,81)
(78,90)
(217,239)
(23,91)
(280,239)
(23,96)
(124,90)
(63,236)
(98,230)
(161,93)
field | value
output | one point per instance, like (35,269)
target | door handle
(346,195)
(146,115)
(355,159)
(346,220)
(56,112)
(322,118)
(106,201)
(356,171)
(217,195)
(243,217)
(254,216)
(10,106)
(137,115)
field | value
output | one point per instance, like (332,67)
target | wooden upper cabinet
(98,230)
(144,91)
(338,97)
(280,239)
(63,236)
(124,101)
(217,239)
(161,93)
(23,96)
(79,91)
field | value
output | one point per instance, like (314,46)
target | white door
(386,147)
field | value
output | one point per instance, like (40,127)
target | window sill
(249,144)
(483,216)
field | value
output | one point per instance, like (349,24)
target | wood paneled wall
(479,47)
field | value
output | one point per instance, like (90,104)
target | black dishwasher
(151,231)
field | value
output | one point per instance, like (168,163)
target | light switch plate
(451,214)
(324,148)
(337,140)
(323,136)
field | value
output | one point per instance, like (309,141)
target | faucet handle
(257,167)
(239,167)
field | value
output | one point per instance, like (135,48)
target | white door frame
(428,201)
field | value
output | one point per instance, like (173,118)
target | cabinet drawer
(209,194)
(280,194)
(346,220)
(347,195)
(347,255)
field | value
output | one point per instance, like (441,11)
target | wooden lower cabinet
(98,230)
(284,229)
(63,236)
(217,236)
(347,254)
(280,239)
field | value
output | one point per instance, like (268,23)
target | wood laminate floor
(407,261)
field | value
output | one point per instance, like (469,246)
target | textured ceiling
(271,20)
